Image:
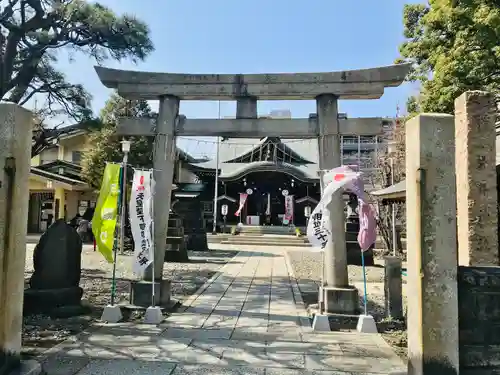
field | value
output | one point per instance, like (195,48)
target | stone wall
(479,320)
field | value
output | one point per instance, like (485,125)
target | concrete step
(262,239)
(265,240)
(242,241)
(267,229)
(266,235)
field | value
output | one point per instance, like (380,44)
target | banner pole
(322,307)
(152,187)
(365,294)
(113,278)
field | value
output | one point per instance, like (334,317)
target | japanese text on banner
(288,216)
(318,231)
(141,219)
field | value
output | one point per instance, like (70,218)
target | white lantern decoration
(249,191)
(284,192)
(307,211)
(125,146)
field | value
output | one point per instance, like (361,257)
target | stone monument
(190,211)
(176,250)
(453,311)
(431,220)
(246,90)
(57,270)
(475,159)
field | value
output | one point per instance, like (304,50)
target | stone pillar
(61,152)
(476,179)
(72,198)
(163,164)
(393,288)
(59,195)
(246,107)
(432,245)
(15,155)
(338,296)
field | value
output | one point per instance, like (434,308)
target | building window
(349,139)
(367,139)
(76,157)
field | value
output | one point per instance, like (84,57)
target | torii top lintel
(349,84)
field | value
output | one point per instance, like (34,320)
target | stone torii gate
(247,89)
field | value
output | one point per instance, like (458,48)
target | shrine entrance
(266,191)
(247,89)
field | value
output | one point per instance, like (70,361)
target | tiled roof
(234,148)
(56,177)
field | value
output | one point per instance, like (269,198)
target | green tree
(453,46)
(33,32)
(106,146)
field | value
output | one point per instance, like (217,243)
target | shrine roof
(233,148)
(397,192)
(305,150)
(234,171)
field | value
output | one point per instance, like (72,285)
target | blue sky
(262,36)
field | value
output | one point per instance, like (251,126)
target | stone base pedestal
(153,315)
(366,324)
(341,300)
(321,323)
(112,314)
(62,301)
(197,242)
(176,254)
(140,293)
(28,367)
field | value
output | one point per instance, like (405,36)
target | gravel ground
(42,332)
(307,267)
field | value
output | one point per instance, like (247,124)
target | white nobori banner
(288,216)
(318,227)
(141,219)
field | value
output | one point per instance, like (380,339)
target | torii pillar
(163,173)
(337,295)
(247,89)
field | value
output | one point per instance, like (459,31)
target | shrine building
(269,170)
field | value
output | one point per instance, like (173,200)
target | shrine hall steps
(259,239)
(269,229)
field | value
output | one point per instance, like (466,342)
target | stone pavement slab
(249,319)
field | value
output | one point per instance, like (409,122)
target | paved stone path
(249,319)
